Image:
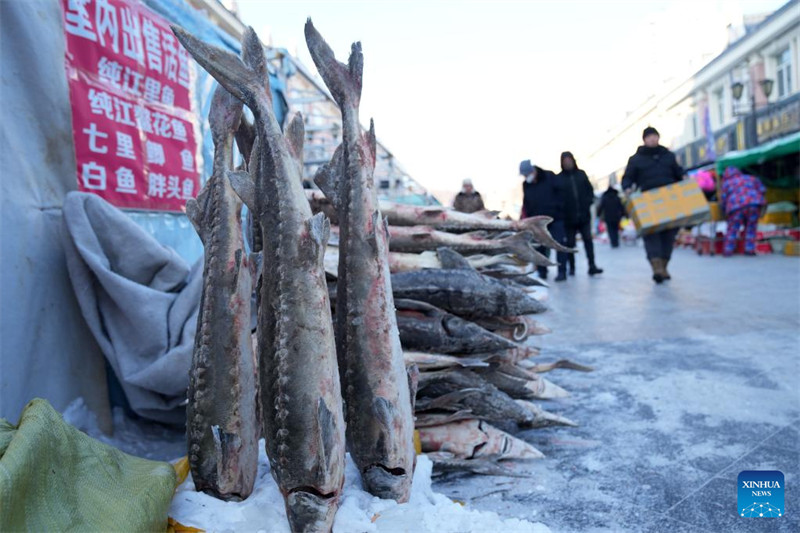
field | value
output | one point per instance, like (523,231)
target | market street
(695,381)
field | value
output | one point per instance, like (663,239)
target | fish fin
(226,446)
(452,260)
(421,234)
(256,264)
(195,215)
(412,372)
(383,411)
(343,81)
(379,224)
(520,245)
(245,138)
(485,213)
(328,176)
(246,82)
(326,431)
(537,226)
(253,55)
(319,231)
(433,211)
(244,188)
(477,234)
(372,141)
(295,136)
(224,116)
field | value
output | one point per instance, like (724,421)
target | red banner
(130,92)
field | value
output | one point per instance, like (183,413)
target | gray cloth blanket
(140,300)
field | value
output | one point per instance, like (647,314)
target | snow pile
(264,511)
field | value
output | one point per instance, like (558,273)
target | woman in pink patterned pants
(742,200)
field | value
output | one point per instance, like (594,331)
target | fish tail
(344,81)
(248,81)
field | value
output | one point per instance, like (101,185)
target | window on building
(783,73)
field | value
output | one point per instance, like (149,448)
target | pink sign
(130,93)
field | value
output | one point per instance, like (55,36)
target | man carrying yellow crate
(650,167)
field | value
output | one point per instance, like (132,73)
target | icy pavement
(695,381)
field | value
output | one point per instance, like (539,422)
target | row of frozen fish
(314,384)
(468,332)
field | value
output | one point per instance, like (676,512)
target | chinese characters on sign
(129,82)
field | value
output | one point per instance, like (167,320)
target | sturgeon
(404,262)
(417,239)
(459,389)
(431,361)
(475,439)
(443,218)
(221,436)
(446,219)
(426,328)
(520,383)
(300,391)
(461,290)
(377,395)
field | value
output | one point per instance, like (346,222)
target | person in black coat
(611,211)
(578,195)
(541,195)
(650,167)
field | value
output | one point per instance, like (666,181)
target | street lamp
(737,89)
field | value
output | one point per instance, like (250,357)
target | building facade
(746,96)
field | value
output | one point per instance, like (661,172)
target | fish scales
(221,436)
(375,383)
(300,394)
(464,293)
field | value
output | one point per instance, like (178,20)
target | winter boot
(593,269)
(666,273)
(658,269)
(562,275)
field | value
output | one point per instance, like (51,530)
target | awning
(760,154)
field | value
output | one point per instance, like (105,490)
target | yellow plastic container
(792,248)
(672,206)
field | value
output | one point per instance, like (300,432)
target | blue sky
(468,89)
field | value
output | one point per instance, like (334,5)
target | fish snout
(310,511)
(387,483)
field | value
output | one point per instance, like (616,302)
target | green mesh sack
(53,477)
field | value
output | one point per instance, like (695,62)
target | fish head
(310,511)
(387,483)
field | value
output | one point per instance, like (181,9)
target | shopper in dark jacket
(468,200)
(541,195)
(650,167)
(611,211)
(578,197)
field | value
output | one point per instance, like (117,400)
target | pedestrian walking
(611,210)
(468,200)
(650,167)
(541,195)
(578,195)
(742,201)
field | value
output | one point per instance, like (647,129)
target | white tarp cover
(46,349)
(140,300)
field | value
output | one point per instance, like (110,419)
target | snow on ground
(263,511)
